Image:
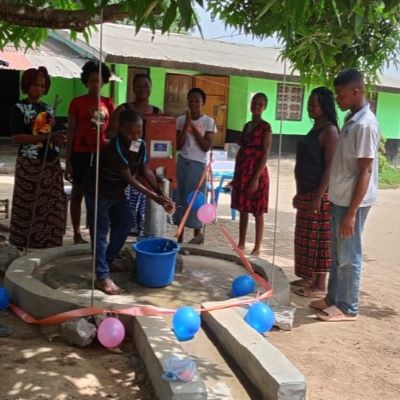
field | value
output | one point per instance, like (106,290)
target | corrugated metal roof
(59,59)
(121,45)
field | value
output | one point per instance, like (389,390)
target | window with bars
(289,104)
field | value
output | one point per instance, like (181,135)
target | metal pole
(209,175)
(278,180)
(96,191)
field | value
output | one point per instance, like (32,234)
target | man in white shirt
(353,188)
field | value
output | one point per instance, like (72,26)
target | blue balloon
(4,300)
(186,322)
(199,201)
(260,317)
(243,285)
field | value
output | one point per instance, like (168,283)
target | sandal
(308,292)
(80,240)
(198,239)
(334,314)
(319,305)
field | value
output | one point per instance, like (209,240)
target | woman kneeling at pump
(120,163)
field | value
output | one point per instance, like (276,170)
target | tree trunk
(76,20)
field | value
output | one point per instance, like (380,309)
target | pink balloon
(111,332)
(207,213)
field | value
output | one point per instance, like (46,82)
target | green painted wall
(240,91)
(121,87)
(67,89)
(238,98)
(387,113)
(157,76)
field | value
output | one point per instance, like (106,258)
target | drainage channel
(220,375)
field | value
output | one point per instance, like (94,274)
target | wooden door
(177,87)
(216,89)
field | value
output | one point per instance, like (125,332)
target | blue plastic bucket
(155,261)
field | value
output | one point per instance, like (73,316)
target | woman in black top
(38,208)
(313,163)
(120,165)
(141,86)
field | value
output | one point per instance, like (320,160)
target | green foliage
(319,37)
(167,15)
(383,162)
(322,37)
(168,19)
(21,36)
(389,175)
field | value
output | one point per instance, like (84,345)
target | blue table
(223,170)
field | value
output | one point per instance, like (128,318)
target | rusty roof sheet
(59,59)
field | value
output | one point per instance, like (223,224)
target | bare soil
(341,361)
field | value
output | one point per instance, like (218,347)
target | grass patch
(389,177)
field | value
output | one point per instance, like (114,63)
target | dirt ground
(340,361)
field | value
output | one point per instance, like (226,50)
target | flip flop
(300,283)
(308,292)
(333,314)
(319,305)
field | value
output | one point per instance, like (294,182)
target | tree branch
(40,17)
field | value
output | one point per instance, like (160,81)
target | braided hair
(326,102)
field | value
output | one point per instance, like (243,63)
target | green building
(229,73)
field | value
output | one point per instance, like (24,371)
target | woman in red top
(82,135)
(250,185)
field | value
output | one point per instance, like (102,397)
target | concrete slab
(155,343)
(272,373)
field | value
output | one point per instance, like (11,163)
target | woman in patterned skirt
(313,162)
(250,185)
(39,204)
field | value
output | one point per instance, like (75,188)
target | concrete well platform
(52,281)
(55,280)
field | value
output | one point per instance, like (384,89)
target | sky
(216,30)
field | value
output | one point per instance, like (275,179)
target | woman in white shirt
(195,132)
